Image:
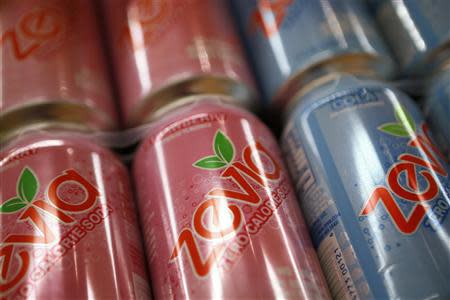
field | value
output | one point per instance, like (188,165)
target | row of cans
(216,208)
(221,220)
(164,51)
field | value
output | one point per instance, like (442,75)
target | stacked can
(48,79)
(166,50)
(374,188)
(294,41)
(218,212)
(69,225)
(418,32)
(221,219)
(351,143)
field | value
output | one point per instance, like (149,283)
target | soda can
(68,222)
(418,31)
(52,67)
(437,107)
(374,189)
(166,50)
(290,39)
(221,220)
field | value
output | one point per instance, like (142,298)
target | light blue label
(286,37)
(371,153)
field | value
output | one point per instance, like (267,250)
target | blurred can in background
(418,31)
(167,50)
(69,226)
(437,106)
(290,39)
(374,190)
(218,211)
(52,67)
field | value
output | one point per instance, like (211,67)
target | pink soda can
(52,67)
(218,211)
(167,50)
(68,222)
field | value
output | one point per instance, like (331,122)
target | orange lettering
(217,210)
(24,262)
(20,53)
(250,196)
(415,195)
(201,267)
(46,236)
(249,161)
(72,175)
(276,8)
(407,225)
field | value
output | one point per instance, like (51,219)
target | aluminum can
(166,50)
(418,31)
(374,189)
(219,215)
(68,222)
(437,107)
(52,67)
(288,39)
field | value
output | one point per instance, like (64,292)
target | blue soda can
(418,31)
(374,190)
(288,39)
(437,107)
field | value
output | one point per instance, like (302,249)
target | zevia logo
(405,176)
(223,206)
(38,215)
(35,29)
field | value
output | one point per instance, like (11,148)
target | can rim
(38,115)
(353,64)
(179,93)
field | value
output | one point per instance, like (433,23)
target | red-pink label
(218,210)
(52,52)
(157,43)
(68,224)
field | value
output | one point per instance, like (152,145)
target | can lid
(357,64)
(52,114)
(160,102)
(327,85)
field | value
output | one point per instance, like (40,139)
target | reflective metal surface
(219,216)
(374,188)
(289,38)
(52,66)
(166,50)
(418,31)
(68,225)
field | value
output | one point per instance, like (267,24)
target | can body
(383,191)
(437,109)
(52,66)
(164,50)
(69,226)
(418,31)
(287,38)
(220,220)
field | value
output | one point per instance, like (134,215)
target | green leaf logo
(223,147)
(28,185)
(27,188)
(223,150)
(403,117)
(405,126)
(12,205)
